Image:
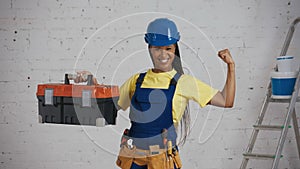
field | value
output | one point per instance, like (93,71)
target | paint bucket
(285,63)
(283,84)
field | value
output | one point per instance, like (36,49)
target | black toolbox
(77,104)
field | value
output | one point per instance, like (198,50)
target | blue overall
(150,113)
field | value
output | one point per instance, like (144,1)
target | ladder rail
(289,37)
(286,123)
(296,130)
(258,122)
(283,52)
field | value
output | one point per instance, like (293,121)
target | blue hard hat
(162,32)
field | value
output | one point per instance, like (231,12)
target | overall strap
(175,79)
(140,79)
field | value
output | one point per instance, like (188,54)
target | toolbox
(77,104)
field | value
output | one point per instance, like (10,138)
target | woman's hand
(82,77)
(225,56)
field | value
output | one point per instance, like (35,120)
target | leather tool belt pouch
(125,157)
(146,157)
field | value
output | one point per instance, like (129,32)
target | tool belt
(154,158)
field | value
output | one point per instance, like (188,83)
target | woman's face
(162,57)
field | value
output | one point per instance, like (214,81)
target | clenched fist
(225,56)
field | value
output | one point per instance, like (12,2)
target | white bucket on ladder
(285,63)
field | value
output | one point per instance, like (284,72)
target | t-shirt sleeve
(126,92)
(197,90)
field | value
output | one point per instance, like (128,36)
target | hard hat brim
(159,39)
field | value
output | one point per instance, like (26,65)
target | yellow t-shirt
(188,88)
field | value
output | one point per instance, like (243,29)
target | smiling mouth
(164,60)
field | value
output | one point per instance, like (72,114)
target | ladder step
(269,127)
(283,100)
(259,156)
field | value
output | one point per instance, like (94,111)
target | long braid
(186,119)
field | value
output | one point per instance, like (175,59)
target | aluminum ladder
(291,114)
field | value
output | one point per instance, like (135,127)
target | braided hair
(184,125)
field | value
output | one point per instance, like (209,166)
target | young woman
(158,101)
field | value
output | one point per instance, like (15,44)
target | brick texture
(41,40)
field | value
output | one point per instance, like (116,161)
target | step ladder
(291,114)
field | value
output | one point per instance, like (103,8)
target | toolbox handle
(67,81)
(89,79)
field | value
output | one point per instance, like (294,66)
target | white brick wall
(41,40)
